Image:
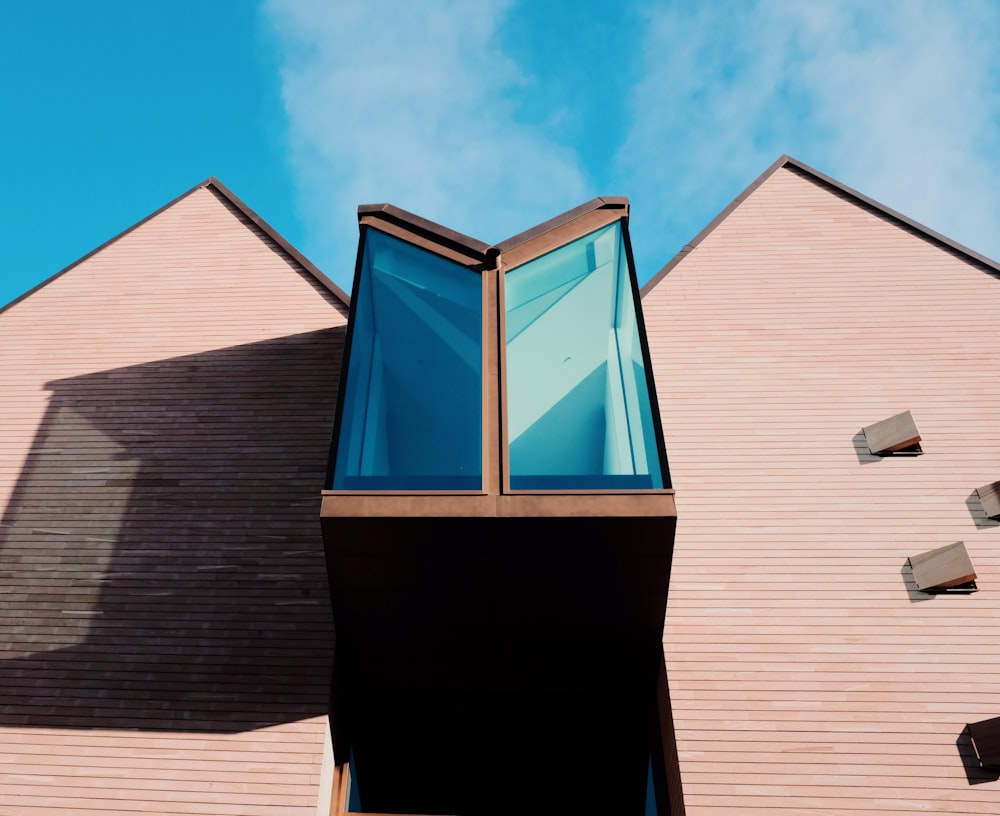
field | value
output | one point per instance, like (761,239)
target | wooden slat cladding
(166,638)
(807,674)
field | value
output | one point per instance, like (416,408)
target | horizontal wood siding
(165,629)
(807,674)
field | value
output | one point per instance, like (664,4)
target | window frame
(520,250)
(450,246)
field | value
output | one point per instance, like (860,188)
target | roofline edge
(233,199)
(418,225)
(709,228)
(786,160)
(601,202)
(278,238)
(104,245)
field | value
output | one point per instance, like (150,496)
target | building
(168,641)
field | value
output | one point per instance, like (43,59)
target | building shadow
(161,561)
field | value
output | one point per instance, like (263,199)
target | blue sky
(485,115)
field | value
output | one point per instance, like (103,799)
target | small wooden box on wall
(945,568)
(895,435)
(989,498)
(986,741)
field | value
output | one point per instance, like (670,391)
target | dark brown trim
(710,227)
(561,230)
(106,244)
(597,504)
(428,234)
(233,199)
(504,433)
(647,359)
(494,462)
(562,235)
(346,356)
(417,505)
(860,198)
(279,239)
(426,241)
(603,202)
(654,504)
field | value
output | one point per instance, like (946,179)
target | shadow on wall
(979,517)
(161,562)
(974,772)
(915,595)
(865,456)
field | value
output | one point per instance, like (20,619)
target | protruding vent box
(945,568)
(989,498)
(986,741)
(897,434)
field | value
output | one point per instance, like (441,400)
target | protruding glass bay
(578,405)
(412,415)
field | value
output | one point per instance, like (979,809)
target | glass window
(578,407)
(412,409)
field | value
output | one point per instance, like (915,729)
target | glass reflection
(578,407)
(412,417)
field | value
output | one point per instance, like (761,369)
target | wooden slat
(799,650)
(165,636)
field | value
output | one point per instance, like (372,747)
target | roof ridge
(233,199)
(277,237)
(787,161)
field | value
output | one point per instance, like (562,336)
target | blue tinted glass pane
(412,416)
(650,809)
(578,409)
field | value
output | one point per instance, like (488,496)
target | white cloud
(421,105)
(414,104)
(900,100)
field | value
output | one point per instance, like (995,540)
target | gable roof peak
(210,183)
(860,198)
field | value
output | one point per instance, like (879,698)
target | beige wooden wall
(165,635)
(807,674)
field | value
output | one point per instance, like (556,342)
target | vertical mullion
(492,407)
(500,321)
